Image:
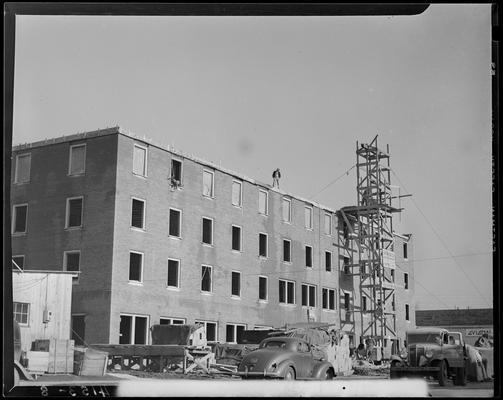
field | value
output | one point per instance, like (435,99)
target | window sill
(328,310)
(207,244)
(236,251)
(73,228)
(76,175)
(206,293)
(262,301)
(17,234)
(263,258)
(139,175)
(173,288)
(288,305)
(234,297)
(287,262)
(21,183)
(264,215)
(312,308)
(175,237)
(135,283)
(134,228)
(238,207)
(286,222)
(209,197)
(309,229)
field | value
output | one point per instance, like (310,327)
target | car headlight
(428,353)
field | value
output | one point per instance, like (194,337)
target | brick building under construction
(158,236)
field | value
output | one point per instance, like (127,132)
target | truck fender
(396,360)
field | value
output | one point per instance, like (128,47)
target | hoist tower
(368,230)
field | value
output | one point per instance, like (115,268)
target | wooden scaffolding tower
(370,225)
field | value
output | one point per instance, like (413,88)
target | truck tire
(442,373)
(460,379)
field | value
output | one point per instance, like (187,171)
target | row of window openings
(77,158)
(139,168)
(76,163)
(73,215)
(134,329)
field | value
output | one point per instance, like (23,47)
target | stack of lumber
(90,362)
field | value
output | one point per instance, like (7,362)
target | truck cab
(432,352)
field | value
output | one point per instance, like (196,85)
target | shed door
(79,329)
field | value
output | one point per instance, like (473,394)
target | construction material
(187,335)
(61,356)
(156,357)
(90,362)
(38,361)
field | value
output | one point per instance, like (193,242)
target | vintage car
(433,352)
(285,358)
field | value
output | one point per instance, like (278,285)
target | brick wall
(152,298)
(46,238)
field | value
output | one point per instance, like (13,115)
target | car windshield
(275,344)
(423,338)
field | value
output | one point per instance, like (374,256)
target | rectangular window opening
(72,263)
(19,220)
(286,292)
(263,202)
(287,253)
(135,266)
(236,193)
(17,262)
(208,183)
(74,208)
(309,256)
(173,273)
(236,238)
(206,279)
(23,168)
(140,160)
(308,214)
(328,224)
(207,231)
(236,284)
(328,261)
(176,172)
(21,312)
(77,161)
(175,222)
(262,252)
(138,213)
(262,288)
(287,210)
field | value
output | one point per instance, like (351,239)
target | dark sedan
(284,358)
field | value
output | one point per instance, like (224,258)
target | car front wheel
(289,374)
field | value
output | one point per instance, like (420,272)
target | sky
(257,93)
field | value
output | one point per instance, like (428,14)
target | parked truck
(433,352)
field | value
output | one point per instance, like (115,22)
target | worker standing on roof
(275,178)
